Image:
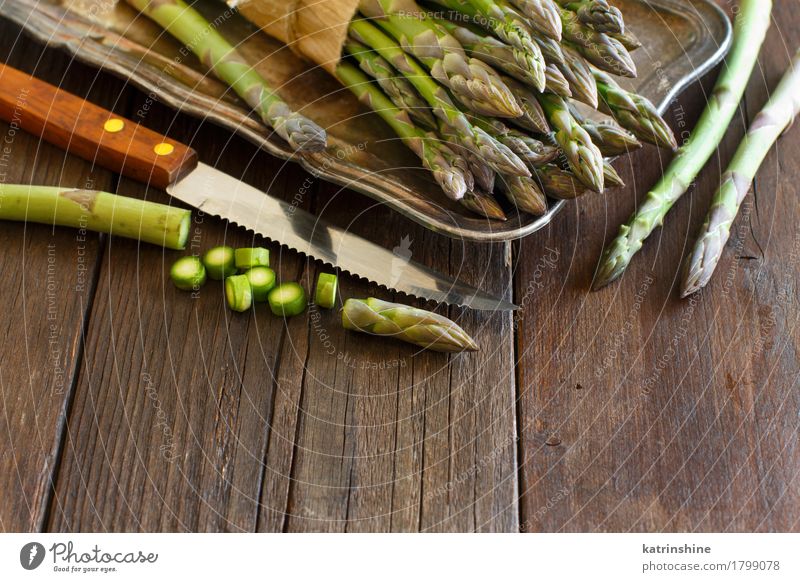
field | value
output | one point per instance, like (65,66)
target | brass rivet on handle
(114,125)
(164,149)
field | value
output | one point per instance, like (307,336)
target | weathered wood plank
(48,284)
(171,411)
(640,411)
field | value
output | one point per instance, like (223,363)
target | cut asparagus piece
(188,274)
(262,281)
(752,23)
(471,80)
(422,328)
(220,262)
(493,152)
(238,293)
(325,294)
(434,154)
(767,127)
(248,258)
(288,300)
(96,211)
(188,26)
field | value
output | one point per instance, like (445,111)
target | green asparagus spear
(556,82)
(524,193)
(471,80)
(526,66)
(557,183)
(422,328)
(583,157)
(489,149)
(98,212)
(752,23)
(767,127)
(597,15)
(187,25)
(530,149)
(483,174)
(397,88)
(543,15)
(633,112)
(484,204)
(435,155)
(602,50)
(610,138)
(533,117)
(578,74)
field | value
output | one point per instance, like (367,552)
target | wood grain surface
(130,406)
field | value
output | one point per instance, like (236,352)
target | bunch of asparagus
(487,93)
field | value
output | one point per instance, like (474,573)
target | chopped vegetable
(220,263)
(262,281)
(325,295)
(288,299)
(97,211)
(238,293)
(188,274)
(249,258)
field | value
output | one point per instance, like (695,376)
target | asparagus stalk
(483,174)
(583,157)
(556,82)
(767,127)
(471,80)
(435,155)
(578,73)
(752,23)
(530,149)
(602,50)
(187,25)
(525,193)
(597,15)
(633,112)
(610,138)
(498,156)
(98,212)
(525,66)
(557,183)
(533,117)
(423,328)
(484,204)
(397,88)
(543,15)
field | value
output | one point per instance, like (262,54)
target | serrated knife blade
(219,194)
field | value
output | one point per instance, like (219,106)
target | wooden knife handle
(91,132)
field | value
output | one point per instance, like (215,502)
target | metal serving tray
(682,39)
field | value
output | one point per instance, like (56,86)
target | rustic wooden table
(127,406)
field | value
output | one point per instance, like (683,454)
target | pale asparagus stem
(524,193)
(396,87)
(752,23)
(612,178)
(471,80)
(499,17)
(483,174)
(422,328)
(484,204)
(188,26)
(610,138)
(435,155)
(578,74)
(557,183)
(767,127)
(597,15)
(98,212)
(498,156)
(556,82)
(543,15)
(602,50)
(526,66)
(533,117)
(583,157)
(633,112)
(530,149)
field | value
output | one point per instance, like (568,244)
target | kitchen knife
(125,147)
